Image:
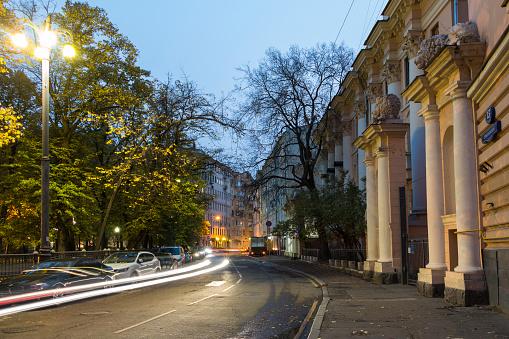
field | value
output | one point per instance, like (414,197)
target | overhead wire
(346,16)
(371,19)
(365,24)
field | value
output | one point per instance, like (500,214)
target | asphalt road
(246,299)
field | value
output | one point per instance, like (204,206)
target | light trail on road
(53,292)
(85,295)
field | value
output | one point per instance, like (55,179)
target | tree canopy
(122,144)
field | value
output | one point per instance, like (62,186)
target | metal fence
(417,257)
(14,264)
(313,252)
(357,255)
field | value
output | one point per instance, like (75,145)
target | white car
(133,264)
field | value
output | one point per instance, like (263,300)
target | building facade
(232,213)
(425,109)
(244,212)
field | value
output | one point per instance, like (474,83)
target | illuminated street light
(47,38)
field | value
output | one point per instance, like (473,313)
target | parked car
(133,264)
(167,261)
(176,251)
(57,273)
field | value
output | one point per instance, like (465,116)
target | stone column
(371,212)
(347,148)
(361,126)
(323,172)
(467,284)
(434,185)
(465,172)
(331,157)
(338,158)
(384,232)
(431,278)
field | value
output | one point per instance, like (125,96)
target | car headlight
(39,287)
(121,270)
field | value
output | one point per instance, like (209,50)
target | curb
(320,313)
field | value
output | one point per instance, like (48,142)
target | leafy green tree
(338,207)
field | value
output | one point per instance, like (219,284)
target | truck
(257,246)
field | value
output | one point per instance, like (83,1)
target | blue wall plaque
(490,115)
(491,133)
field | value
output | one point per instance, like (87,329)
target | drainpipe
(455,11)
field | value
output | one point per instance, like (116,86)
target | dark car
(176,251)
(57,273)
(168,262)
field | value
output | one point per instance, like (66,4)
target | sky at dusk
(207,40)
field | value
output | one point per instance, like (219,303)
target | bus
(257,246)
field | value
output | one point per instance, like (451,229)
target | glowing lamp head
(69,51)
(117,229)
(48,39)
(19,40)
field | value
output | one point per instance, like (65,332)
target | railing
(313,252)
(417,257)
(14,264)
(357,255)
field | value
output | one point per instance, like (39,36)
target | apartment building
(232,213)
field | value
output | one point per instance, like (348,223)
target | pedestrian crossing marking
(216,283)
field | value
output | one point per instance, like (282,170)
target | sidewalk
(360,308)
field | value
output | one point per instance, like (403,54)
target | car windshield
(54,263)
(121,258)
(51,267)
(172,250)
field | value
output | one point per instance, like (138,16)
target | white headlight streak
(127,285)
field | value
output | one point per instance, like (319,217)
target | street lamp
(117,238)
(46,40)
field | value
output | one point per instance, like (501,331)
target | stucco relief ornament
(359,109)
(373,91)
(461,33)
(387,107)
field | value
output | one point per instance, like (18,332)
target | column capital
(346,126)
(359,109)
(429,112)
(412,42)
(380,152)
(457,90)
(374,91)
(369,161)
(391,71)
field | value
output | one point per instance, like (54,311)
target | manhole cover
(94,313)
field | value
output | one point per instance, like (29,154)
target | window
(407,72)
(435,30)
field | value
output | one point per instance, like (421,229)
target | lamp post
(117,238)
(46,40)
